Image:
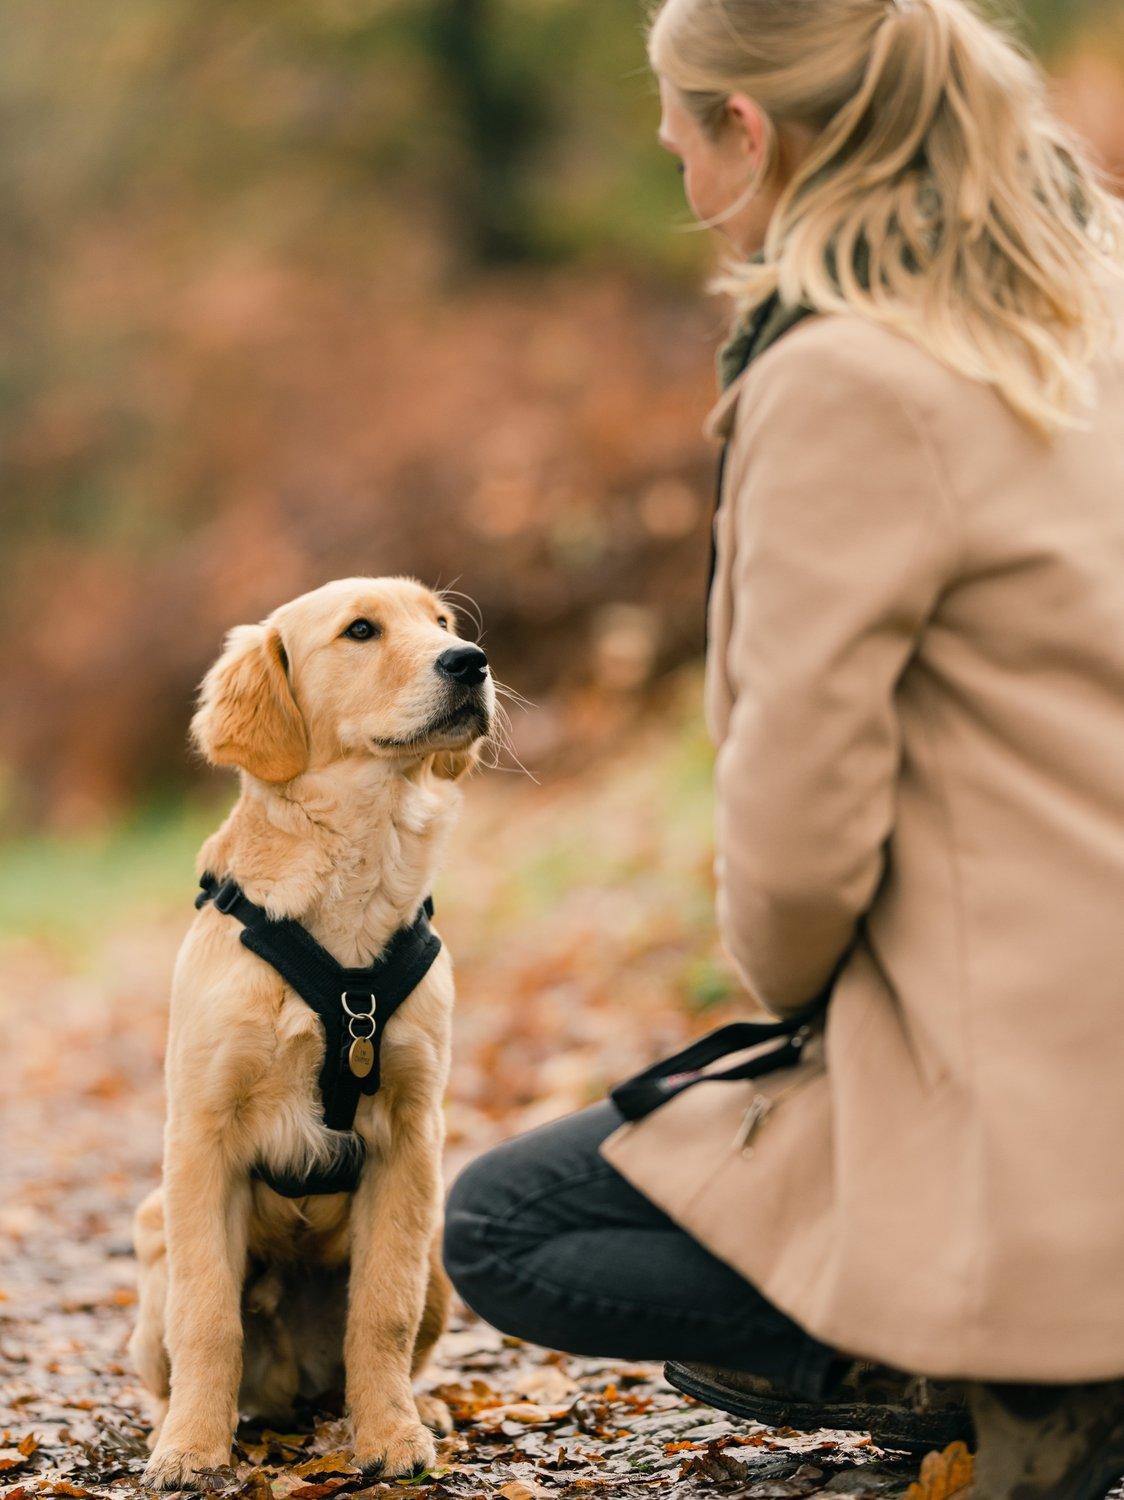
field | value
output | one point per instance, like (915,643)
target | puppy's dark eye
(443,621)
(363,630)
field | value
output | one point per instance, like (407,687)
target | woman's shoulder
(836,375)
(830,363)
(832,354)
(834,359)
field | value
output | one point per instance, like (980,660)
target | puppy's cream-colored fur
(348,752)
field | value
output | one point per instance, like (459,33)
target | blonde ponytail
(941,198)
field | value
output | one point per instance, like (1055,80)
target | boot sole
(896,1427)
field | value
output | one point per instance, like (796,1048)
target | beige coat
(916,683)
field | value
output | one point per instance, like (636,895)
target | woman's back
(917,684)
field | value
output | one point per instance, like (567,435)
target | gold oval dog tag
(360,1057)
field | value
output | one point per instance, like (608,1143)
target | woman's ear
(247,715)
(747,116)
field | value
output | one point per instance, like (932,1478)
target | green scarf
(750,337)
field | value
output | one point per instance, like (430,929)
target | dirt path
(82,1116)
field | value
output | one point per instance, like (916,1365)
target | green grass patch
(68,889)
(639,822)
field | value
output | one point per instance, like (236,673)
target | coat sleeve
(843,541)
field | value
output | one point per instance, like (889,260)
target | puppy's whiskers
(503,691)
(501,739)
(472,608)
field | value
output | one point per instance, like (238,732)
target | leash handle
(671,1076)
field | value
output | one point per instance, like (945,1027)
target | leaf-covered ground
(579,916)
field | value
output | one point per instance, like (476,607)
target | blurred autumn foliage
(301,290)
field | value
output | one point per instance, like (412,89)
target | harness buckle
(226,896)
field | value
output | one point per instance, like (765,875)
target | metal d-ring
(355,1017)
(370,1013)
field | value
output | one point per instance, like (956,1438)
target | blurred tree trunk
(498,119)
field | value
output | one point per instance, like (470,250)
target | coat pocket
(763,1104)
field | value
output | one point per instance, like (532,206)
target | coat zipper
(761,1106)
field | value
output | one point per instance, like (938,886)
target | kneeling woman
(916,682)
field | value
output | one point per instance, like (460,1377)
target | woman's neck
(349,851)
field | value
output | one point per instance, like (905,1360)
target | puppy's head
(363,666)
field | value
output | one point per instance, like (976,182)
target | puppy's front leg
(394,1218)
(206,1205)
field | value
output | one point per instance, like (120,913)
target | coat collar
(719,421)
(748,340)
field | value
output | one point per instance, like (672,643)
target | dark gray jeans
(546,1241)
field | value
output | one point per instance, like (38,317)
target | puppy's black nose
(463,664)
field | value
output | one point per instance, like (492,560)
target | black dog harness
(353,1006)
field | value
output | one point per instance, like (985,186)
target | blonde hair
(941,197)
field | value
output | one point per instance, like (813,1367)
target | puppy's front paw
(435,1414)
(173,1468)
(406,1450)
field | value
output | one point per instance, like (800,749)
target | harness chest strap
(353,1006)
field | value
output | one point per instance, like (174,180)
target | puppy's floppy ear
(247,715)
(451,765)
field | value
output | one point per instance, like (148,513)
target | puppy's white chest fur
(376,884)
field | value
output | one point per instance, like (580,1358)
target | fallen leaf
(713,1464)
(548,1385)
(519,1489)
(527,1412)
(944,1476)
(465,1401)
(339,1462)
(257,1487)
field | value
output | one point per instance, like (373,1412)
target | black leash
(640,1095)
(353,1006)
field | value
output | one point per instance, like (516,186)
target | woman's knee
(479,1203)
(499,1211)
(490,1189)
(477,1188)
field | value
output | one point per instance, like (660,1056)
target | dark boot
(1059,1442)
(899,1411)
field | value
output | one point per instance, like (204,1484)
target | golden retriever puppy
(349,713)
